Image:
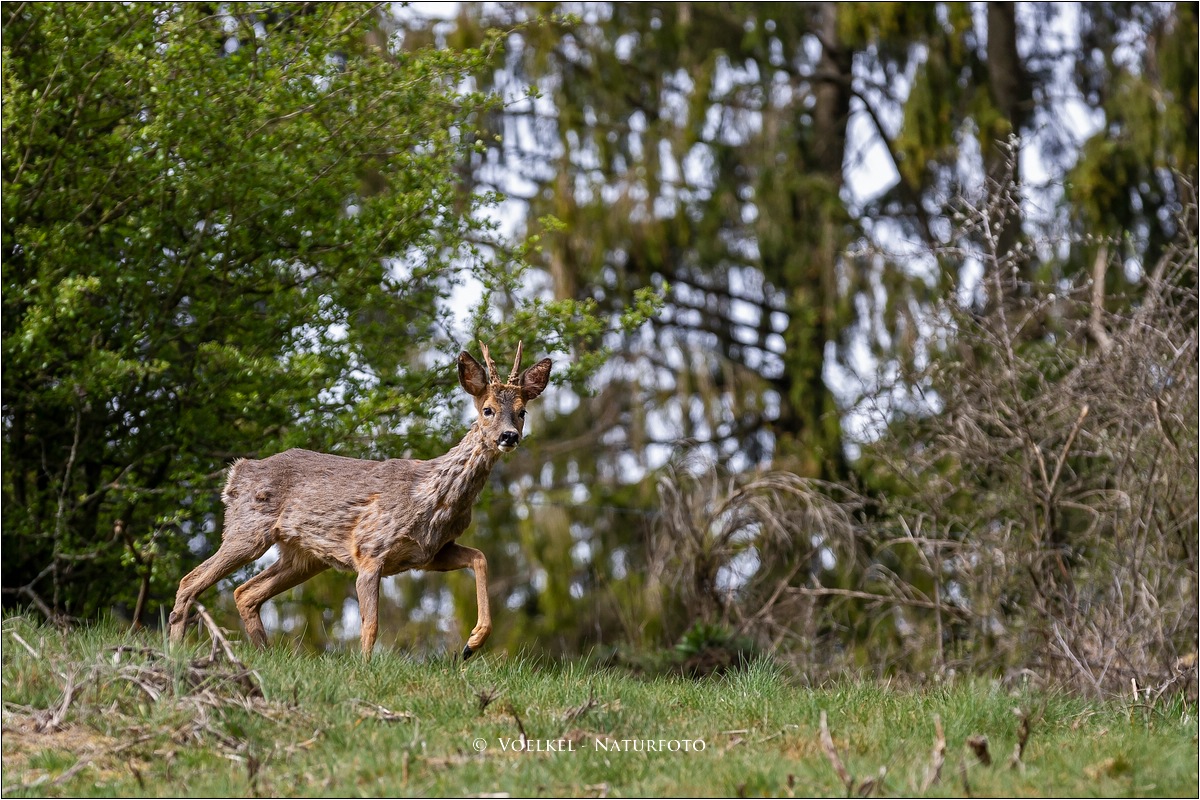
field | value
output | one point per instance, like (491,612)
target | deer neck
(458,476)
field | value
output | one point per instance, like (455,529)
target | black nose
(510,438)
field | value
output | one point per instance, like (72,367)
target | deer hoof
(467,652)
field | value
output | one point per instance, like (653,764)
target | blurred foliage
(1042,522)
(719,149)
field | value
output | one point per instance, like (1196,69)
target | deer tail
(230,490)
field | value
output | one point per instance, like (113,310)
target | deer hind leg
(235,551)
(454,557)
(292,568)
(367,586)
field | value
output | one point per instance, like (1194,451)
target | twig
(938,757)
(53,618)
(872,785)
(831,753)
(143,592)
(83,762)
(25,644)
(1183,668)
(520,725)
(151,691)
(1062,456)
(1070,654)
(54,721)
(385,714)
(120,649)
(881,598)
(485,698)
(1096,317)
(770,603)
(1022,737)
(577,712)
(218,636)
(60,518)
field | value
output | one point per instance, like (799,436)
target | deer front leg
(452,557)
(367,585)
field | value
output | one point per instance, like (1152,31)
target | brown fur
(374,518)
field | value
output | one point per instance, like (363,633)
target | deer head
(501,404)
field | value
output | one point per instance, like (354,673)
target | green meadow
(98,711)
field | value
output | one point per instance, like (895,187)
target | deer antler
(493,373)
(512,378)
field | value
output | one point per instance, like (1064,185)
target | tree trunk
(809,430)
(1012,95)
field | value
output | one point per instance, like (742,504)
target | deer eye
(488,412)
(522,414)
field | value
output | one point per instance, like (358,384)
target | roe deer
(374,518)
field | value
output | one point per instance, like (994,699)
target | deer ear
(533,380)
(471,375)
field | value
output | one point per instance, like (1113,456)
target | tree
(719,149)
(226,232)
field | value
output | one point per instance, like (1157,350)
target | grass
(141,724)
